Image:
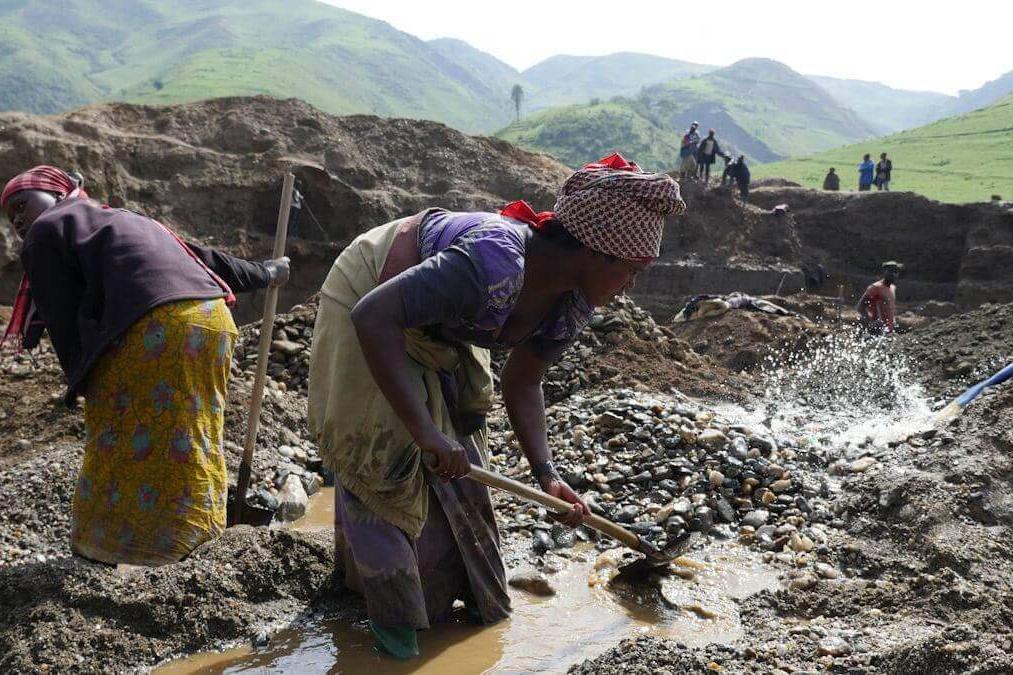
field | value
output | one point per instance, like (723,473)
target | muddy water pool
(697,606)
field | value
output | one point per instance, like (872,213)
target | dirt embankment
(954,254)
(961,350)
(213,170)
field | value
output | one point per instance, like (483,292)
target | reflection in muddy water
(583,619)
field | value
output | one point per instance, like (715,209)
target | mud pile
(623,346)
(76,616)
(742,339)
(212,169)
(961,350)
(951,252)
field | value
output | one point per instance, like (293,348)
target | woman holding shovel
(400,378)
(139,320)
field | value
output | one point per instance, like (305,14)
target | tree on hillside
(517,96)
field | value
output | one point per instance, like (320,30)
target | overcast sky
(909,44)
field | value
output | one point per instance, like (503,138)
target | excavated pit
(879,543)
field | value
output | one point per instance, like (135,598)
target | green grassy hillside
(884,108)
(150,51)
(565,80)
(496,77)
(966,158)
(759,107)
(580,134)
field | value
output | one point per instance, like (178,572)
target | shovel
(239,511)
(653,557)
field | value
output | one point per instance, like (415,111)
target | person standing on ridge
(708,153)
(739,172)
(832,181)
(866,173)
(687,152)
(883,171)
(877,308)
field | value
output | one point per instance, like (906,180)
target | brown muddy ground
(917,579)
(75,616)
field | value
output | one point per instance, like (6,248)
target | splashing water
(844,388)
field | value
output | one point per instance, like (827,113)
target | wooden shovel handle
(263,351)
(603,525)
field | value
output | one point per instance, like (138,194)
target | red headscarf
(610,206)
(50,179)
(42,177)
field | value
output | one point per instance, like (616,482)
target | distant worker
(866,172)
(708,153)
(832,181)
(295,210)
(815,275)
(883,170)
(877,308)
(726,176)
(687,152)
(739,172)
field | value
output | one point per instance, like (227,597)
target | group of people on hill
(869,173)
(697,155)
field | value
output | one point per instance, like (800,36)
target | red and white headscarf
(49,179)
(57,181)
(42,177)
(612,207)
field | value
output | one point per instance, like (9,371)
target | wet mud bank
(70,615)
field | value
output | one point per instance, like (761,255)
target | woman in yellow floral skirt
(140,322)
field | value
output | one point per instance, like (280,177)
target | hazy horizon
(925,48)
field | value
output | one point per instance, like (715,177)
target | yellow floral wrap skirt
(153,483)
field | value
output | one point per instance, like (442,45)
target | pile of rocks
(290,347)
(609,327)
(662,466)
(293,471)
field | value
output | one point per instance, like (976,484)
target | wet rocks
(664,466)
(292,499)
(712,438)
(862,464)
(834,646)
(534,583)
(756,518)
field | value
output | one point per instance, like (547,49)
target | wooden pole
(263,352)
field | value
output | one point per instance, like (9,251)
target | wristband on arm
(543,469)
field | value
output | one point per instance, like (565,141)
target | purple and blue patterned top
(470,278)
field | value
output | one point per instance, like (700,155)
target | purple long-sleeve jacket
(95,271)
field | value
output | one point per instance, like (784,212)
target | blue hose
(973,392)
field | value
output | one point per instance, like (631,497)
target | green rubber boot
(401,643)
